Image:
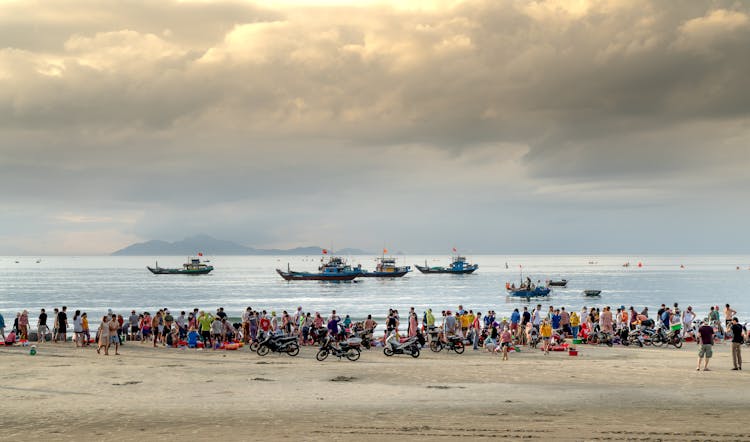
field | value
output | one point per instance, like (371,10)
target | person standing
(729,313)
(23,325)
(41,328)
(738,338)
(77,329)
(103,336)
(114,335)
(575,322)
(546,332)
(476,326)
(2,326)
(85,325)
(706,343)
(62,325)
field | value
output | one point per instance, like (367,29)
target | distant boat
(387,268)
(332,269)
(458,265)
(560,283)
(39,260)
(194,266)
(592,292)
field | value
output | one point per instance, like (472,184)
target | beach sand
(603,394)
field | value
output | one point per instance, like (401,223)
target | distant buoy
(640,264)
(682,266)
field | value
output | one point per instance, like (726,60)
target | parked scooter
(454,343)
(394,347)
(278,344)
(344,349)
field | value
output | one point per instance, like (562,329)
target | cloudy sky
(498,126)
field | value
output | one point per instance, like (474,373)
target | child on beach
(505,342)
(546,332)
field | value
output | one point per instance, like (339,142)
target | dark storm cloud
(275,116)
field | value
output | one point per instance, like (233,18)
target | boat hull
(536,293)
(301,276)
(163,271)
(592,292)
(443,270)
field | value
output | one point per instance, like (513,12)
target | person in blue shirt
(556,320)
(2,326)
(665,317)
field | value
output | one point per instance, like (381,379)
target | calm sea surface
(95,284)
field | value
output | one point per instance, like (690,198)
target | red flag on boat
(325,251)
(200,253)
(385,251)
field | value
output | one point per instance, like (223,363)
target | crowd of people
(200,328)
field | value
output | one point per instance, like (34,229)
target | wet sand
(604,394)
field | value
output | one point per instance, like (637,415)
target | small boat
(459,265)
(592,292)
(534,292)
(194,266)
(386,268)
(560,283)
(333,269)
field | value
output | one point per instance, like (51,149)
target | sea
(96,284)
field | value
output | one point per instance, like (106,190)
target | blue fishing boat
(527,293)
(459,265)
(387,268)
(331,269)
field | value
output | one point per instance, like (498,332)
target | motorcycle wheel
(657,341)
(254,346)
(352,354)
(638,341)
(677,343)
(609,343)
(292,350)
(459,347)
(646,341)
(322,355)
(263,350)
(435,346)
(387,351)
(415,352)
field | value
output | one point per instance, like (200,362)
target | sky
(498,126)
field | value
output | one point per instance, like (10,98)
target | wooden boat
(387,268)
(193,267)
(333,269)
(458,265)
(592,292)
(527,293)
(560,283)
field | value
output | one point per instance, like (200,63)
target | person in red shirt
(706,344)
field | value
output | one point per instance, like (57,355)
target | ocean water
(96,284)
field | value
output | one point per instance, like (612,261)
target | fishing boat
(592,292)
(534,292)
(458,266)
(560,283)
(387,268)
(331,269)
(194,266)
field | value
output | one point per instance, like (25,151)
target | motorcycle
(673,338)
(597,336)
(394,347)
(344,349)
(631,337)
(278,344)
(454,343)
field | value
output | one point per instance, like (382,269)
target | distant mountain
(212,246)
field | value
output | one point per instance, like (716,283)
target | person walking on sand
(705,343)
(738,338)
(85,325)
(114,335)
(103,334)
(77,329)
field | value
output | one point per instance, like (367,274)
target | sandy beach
(603,394)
